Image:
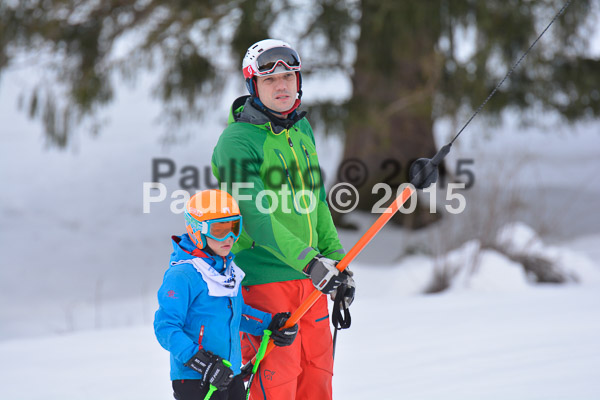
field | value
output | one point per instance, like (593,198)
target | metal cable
(562,10)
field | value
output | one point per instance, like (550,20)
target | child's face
(220,248)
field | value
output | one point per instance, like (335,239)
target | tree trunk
(390,123)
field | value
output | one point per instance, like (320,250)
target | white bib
(219,285)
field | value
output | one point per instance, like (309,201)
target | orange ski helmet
(213,213)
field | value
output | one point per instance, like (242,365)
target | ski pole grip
(262,349)
(212,388)
(210,392)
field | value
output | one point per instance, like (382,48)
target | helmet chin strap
(291,110)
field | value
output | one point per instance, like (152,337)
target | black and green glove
(213,368)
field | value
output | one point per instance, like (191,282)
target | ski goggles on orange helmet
(217,229)
(267,61)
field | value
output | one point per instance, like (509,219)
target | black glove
(213,369)
(324,275)
(284,337)
(348,288)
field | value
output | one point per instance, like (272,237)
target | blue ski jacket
(188,318)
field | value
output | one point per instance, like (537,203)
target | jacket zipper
(201,337)
(289,179)
(232,330)
(287,135)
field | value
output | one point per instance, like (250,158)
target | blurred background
(96,97)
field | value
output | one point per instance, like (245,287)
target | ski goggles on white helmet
(268,60)
(217,229)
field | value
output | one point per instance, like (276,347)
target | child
(201,309)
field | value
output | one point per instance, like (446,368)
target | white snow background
(80,264)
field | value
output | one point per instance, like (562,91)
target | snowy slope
(533,343)
(538,344)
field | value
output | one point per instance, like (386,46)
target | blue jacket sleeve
(254,321)
(173,299)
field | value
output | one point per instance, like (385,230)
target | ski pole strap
(340,314)
(212,388)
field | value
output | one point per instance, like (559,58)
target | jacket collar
(245,109)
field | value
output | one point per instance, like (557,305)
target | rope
(562,10)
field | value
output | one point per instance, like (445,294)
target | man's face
(277,92)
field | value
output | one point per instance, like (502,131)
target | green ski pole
(212,388)
(259,356)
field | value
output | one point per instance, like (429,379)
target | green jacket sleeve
(329,243)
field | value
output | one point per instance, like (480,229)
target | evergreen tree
(405,74)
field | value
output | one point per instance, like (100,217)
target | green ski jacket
(280,192)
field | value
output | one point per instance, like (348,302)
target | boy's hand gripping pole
(212,388)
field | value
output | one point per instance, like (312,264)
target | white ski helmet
(270,57)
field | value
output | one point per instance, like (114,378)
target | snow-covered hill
(525,344)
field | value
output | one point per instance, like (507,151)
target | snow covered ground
(526,343)
(80,264)
(537,344)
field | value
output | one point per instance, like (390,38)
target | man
(289,244)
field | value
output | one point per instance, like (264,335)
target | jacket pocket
(200,337)
(310,172)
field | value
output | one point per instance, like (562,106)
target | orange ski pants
(304,370)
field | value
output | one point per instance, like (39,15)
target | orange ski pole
(348,258)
